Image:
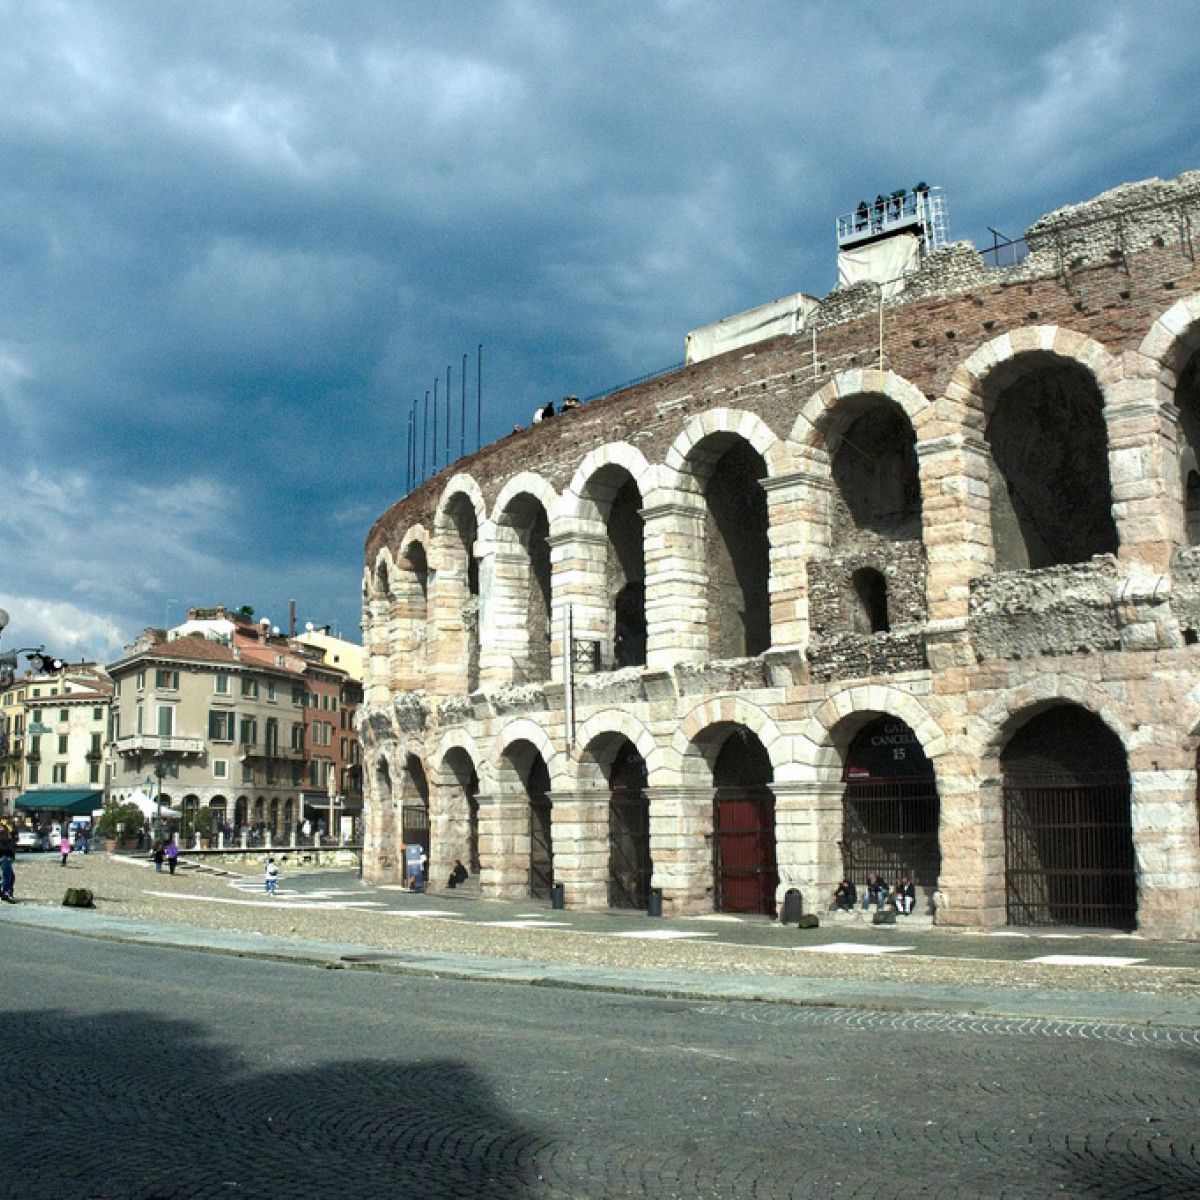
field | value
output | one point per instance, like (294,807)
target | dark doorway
(1068,840)
(744,870)
(541,840)
(414,810)
(890,808)
(629,865)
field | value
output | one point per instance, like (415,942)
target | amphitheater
(913,587)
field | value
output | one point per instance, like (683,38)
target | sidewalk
(130,909)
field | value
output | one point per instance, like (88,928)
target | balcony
(155,743)
(277,753)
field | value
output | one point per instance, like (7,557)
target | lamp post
(332,796)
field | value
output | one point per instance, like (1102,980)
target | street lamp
(160,769)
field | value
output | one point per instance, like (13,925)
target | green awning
(71,803)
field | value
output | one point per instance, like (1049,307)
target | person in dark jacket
(845,896)
(458,875)
(8,856)
(876,893)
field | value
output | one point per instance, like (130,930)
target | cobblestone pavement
(337,907)
(140,1073)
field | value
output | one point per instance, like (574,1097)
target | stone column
(1143,465)
(681,833)
(956,522)
(503,637)
(504,845)
(448,835)
(1166,846)
(447,649)
(578,553)
(808,836)
(971,883)
(798,528)
(676,575)
(580,832)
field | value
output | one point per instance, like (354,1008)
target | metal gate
(541,848)
(629,866)
(414,825)
(1068,851)
(744,870)
(890,828)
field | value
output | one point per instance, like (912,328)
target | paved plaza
(176,1041)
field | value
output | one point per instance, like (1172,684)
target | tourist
(458,875)
(845,896)
(64,846)
(271,876)
(904,896)
(876,893)
(172,853)
(8,857)
(158,855)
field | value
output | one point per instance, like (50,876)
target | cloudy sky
(239,240)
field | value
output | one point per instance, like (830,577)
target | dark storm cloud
(241,239)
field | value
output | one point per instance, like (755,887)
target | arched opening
(241,814)
(1051,499)
(414,807)
(744,867)
(260,822)
(466,804)
(870,601)
(1068,837)
(289,817)
(737,551)
(877,488)
(534,780)
(463,534)
(418,566)
(1187,402)
(528,530)
(275,818)
(890,809)
(629,864)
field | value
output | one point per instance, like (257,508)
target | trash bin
(793,907)
(654,903)
(557,899)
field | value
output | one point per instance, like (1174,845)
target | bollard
(557,899)
(793,907)
(654,903)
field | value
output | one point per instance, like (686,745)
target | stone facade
(957,531)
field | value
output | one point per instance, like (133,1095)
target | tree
(128,816)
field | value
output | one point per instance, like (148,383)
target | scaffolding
(922,211)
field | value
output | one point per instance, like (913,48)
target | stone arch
(528,482)
(454,739)
(697,754)
(1171,352)
(575,502)
(461,484)
(822,414)
(827,734)
(523,729)
(620,724)
(382,575)
(688,459)
(1042,399)
(990,730)
(456,595)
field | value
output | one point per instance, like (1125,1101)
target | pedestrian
(8,857)
(904,896)
(272,876)
(306,829)
(64,846)
(458,875)
(876,893)
(845,896)
(158,855)
(172,853)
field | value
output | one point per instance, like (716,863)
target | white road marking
(853,948)
(1086,960)
(422,912)
(663,935)
(525,924)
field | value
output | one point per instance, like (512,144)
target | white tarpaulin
(884,262)
(744,329)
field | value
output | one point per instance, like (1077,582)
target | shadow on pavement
(134,1107)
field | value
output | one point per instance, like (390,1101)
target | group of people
(167,851)
(878,894)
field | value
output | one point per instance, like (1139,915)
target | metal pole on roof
(424,433)
(462,413)
(433,450)
(479,398)
(447,414)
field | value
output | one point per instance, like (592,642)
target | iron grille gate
(629,867)
(414,825)
(890,828)
(541,848)
(744,871)
(1068,851)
